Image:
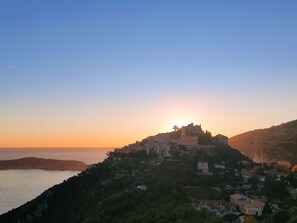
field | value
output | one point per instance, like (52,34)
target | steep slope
(277,143)
(148,181)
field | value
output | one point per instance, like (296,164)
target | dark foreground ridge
(163,178)
(44,164)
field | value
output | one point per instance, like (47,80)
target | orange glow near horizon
(92,81)
(114,127)
(62,143)
(116,134)
(54,141)
(94,136)
(109,138)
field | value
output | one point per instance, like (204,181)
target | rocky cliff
(277,143)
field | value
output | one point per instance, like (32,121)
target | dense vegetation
(108,191)
(145,188)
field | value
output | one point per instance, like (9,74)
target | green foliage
(107,193)
(293,211)
(293,219)
(293,180)
(267,209)
(281,217)
(276,189)
(259,171)
(253,181)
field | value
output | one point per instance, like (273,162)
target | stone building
(188,140)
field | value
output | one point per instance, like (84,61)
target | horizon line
(59,147)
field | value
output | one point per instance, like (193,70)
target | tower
(183,132)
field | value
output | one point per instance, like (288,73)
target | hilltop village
(183,176)
(250,182)
(188,137)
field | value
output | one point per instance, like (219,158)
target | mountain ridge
(277,143)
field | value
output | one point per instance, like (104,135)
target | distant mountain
(39,163)
(155,180)
(277,143)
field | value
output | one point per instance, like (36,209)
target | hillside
(277,143)
(44,164)
(149,181)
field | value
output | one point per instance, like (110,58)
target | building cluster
(247,205)
(204,169)
(188,136)
(188,140)
(219,207)
(246,197)
(192,137)
(191,133)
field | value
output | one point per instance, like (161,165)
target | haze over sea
(20,186)
(87,155)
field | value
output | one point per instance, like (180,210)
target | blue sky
(224,56)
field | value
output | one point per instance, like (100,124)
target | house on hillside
(247,205)
(220,166)
(141,187)
(203,167)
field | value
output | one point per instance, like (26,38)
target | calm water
(19,186)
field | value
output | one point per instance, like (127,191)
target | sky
(107,73)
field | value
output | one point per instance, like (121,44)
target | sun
(179,121)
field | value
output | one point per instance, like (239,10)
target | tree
(293,180)
(254,182)
(293,211)
(230,217)
(175,128)
(259,171)
(276,190)
(293,219)
(281,217)
(267,209)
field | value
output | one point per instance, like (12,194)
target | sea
(20,186)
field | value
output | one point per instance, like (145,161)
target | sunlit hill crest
(189,136)
(141,178)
